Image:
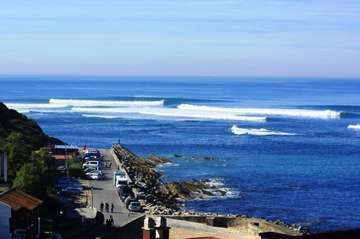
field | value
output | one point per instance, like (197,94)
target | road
(104,191)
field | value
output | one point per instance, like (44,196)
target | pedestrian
(111,220)
(101,206)
(112,207)
(107,207)
(108,226)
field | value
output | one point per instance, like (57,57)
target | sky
(296,38)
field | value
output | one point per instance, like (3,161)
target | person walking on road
(101,206)
(107,207)
(111,220)
(112,207)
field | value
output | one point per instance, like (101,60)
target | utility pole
(92,198)
(66,162)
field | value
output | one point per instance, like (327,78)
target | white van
(120,181)
(91,164)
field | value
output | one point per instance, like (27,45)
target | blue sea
(284,148)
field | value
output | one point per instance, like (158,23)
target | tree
(18,153)
(36,175)
(28,180)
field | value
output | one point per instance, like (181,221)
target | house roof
(73,147)
(62,157)
(17,200)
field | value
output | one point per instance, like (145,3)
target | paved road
(104,191)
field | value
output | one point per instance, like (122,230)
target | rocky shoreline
(166,198)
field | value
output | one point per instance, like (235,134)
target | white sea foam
(354,126)
(303,113)
(258,132)
(107,103)
(33,106)
(99,116)
(219,188)
(168,113)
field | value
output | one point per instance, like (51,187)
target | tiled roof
(17,199)
(62,157)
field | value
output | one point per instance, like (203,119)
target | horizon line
(186,76)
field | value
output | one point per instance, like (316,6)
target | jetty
(147,186)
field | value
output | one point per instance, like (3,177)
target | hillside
(13,122)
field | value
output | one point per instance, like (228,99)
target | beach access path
(104,191)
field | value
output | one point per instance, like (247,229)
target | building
(19,215)
(3,167)
(155,228)
(61,153)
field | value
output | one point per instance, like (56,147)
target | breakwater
(161,198)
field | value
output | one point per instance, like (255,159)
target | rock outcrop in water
(190,190)
(157,160)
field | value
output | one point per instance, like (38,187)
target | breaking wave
(155,108)
(258,132)
(303,113)
(354,126)
(168,113)
(99,116)
(106,103)
(35,106)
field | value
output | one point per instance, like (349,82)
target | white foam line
(354,126)
(169,113)
(99,116)
(257,132)
(106,103)
(321,114)
(31,106)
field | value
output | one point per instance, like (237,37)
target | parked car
(124,192)
(135,206)
(96,175)
(89,169)
(61,169)
(92,154)
(72,189)
(91,164)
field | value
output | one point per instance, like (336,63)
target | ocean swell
(167,113)
(257,132)
(301,113)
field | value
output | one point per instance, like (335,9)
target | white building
(3,168)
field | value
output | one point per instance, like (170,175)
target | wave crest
(27,107)
(167,113)
(106,103)
(302,113)
(257,132)
(354,126)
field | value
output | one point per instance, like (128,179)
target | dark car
(124,192)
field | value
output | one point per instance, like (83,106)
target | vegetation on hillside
(30,167)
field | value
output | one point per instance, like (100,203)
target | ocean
(285,149)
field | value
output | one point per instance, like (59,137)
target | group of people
(109,222)
(108,207)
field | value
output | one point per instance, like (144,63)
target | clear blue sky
(189,37)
